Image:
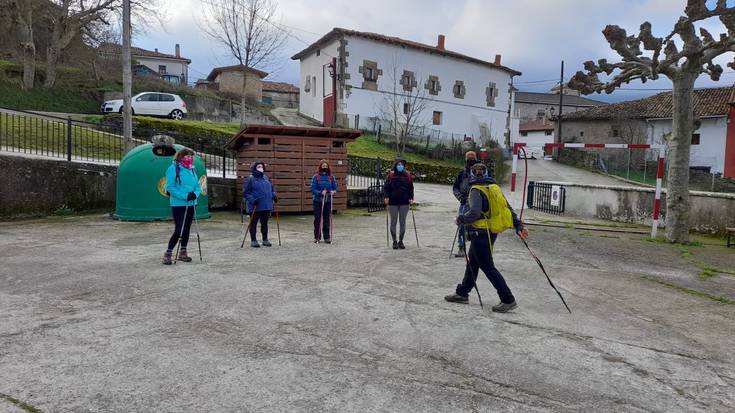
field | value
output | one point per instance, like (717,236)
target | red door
(329,85)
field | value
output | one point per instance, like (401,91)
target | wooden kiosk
(291,155)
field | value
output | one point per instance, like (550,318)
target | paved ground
(547,170)
(89,321)
(291,117)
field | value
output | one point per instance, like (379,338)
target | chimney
(156,50)
(498,57)
(178,50)
(440,42)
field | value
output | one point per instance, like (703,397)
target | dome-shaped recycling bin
(141,184)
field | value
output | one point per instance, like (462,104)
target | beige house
(229,79)
(281,95)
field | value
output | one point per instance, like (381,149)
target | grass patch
(51,100)
(25,406)
(690,291)
(366,146)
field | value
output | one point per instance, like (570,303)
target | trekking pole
(321,219)
(196,223)
(456,233)
(538,261)
(331,216)
(278,226)
(250,222)
(414,226)
(474,281)
(387,242)
(181,233)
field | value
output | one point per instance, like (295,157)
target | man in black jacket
(398,193)
(461,190)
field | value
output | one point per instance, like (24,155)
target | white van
(152,104)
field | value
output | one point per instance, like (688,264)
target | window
(437,118)
(307,84)
(338,144)
(581,133)
(408,80)
(548,133)
(264,141)
(148,97)
(695,139)
(161,69)
(313,86)
(524,133)
(318,52)
(433,86)
(165,98)
(459,89)
(406,108)
(370,73)
(540,114)
(615,132)
(491,92)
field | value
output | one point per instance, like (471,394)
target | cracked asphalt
(91,322)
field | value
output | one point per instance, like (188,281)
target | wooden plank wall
(291,163)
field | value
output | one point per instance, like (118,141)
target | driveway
(90,321)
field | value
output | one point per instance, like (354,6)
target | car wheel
(132,111)
(177,114)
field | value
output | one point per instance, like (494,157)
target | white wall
(459,116)
(535,141)
(711,149)
(173,67)
(311,103)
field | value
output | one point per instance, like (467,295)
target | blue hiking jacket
(257,190)
(179,189)
(321,182)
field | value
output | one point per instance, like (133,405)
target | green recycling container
(141,186)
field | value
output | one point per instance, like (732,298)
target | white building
(535,134)
(464,95)
(172,68)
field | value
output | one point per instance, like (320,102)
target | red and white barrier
(659,171)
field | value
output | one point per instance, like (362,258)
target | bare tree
(23,12)
(403,106)
(245,28)
(682,67)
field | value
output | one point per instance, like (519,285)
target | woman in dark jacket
(259,196)
(323,188)
(398,192)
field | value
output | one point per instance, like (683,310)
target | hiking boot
(254,244)
(401,246)
(316,241)
(184,257)
(328,241)
(456,298)
(459,253)
(504,307)
(267,243)
(395,245)
(167,259)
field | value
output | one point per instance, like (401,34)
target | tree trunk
(28,44)
(677,199)
(243,99)
(52,58)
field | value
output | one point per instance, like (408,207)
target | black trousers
(323,218)
(480,257)
(178,213)
(263,217)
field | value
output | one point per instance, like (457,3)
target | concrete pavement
(90,321)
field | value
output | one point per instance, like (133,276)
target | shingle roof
(234,68)
(337,32)
(536,125)
(137,51)
(553,99)
(279,87)
(707,102)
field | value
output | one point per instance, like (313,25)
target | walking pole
(456,233)
(196,223)
(181,233)
(477,290)
(414,226)
(331,216)
(250,222)
(278,226)
(387,242)
(538,261)
(321,219)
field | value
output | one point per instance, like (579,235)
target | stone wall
(231,81)
(710,212)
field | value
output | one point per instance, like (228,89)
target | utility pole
(557,138)
(127,79)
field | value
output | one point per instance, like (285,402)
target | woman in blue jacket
(323,188)
(182,185)
(258,195)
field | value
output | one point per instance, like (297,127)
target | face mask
(471,162)
(400,167)
(325,169)
(259,168)
(187,161)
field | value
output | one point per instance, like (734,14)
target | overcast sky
(533,36)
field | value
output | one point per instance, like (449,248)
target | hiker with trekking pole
(488,214)
(398,196)
(461,190)
(259,198)
(323,188)
(182,186)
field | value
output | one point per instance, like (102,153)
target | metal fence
(47,136)
(545,197)
(364,172)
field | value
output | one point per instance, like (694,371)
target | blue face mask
(400,167)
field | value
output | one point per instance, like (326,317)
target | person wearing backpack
(258,196)
(183,189)
(488,214)
(398,193)
(323,188)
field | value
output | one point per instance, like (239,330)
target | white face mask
(259,169)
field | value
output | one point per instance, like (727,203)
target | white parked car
(150,103)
